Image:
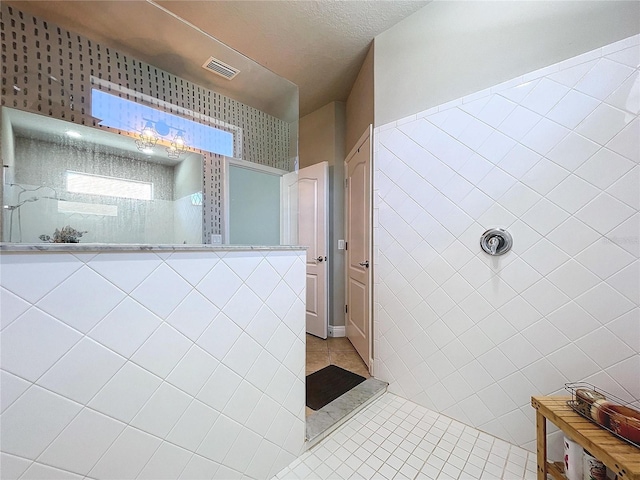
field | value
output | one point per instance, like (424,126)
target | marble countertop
(137,247)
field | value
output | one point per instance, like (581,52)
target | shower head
(24,190)
(18,205)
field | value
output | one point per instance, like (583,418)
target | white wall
(553,157)
(8,162)
(186,364)
(187,221)
(187,214)
(450,49)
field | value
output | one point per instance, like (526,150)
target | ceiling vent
(220,68)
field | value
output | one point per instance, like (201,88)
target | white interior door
(313,207)
(358,254)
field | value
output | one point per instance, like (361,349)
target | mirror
(69,183)
(253,117)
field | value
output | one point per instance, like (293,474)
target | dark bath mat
(325,385)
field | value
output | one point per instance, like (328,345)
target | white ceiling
(317,44)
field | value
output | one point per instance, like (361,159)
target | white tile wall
(554,159)
(138,365)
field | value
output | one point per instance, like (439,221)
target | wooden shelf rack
(619,456)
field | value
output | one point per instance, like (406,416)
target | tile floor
(333,351)
(397,439)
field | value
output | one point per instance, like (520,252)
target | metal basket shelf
(621,424)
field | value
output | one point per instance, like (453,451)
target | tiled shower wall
(151,365)
(552,157)
(136,221)
(52,69)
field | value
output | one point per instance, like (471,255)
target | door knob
(364,264)
(320,258)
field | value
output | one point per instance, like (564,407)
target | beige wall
(336,230)
(322,138)
(360,111)
(450,49)
(316,142)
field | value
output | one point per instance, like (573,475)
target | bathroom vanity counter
(137,247)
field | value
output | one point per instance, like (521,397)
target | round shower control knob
(496,241)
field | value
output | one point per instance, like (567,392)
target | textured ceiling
(318,45)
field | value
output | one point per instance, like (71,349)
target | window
(123,114)
(90,184)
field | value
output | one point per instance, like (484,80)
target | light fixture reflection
(131,115)
(148,137)
(177,147)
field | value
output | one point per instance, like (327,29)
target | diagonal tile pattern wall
(553,157)
(152,364)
